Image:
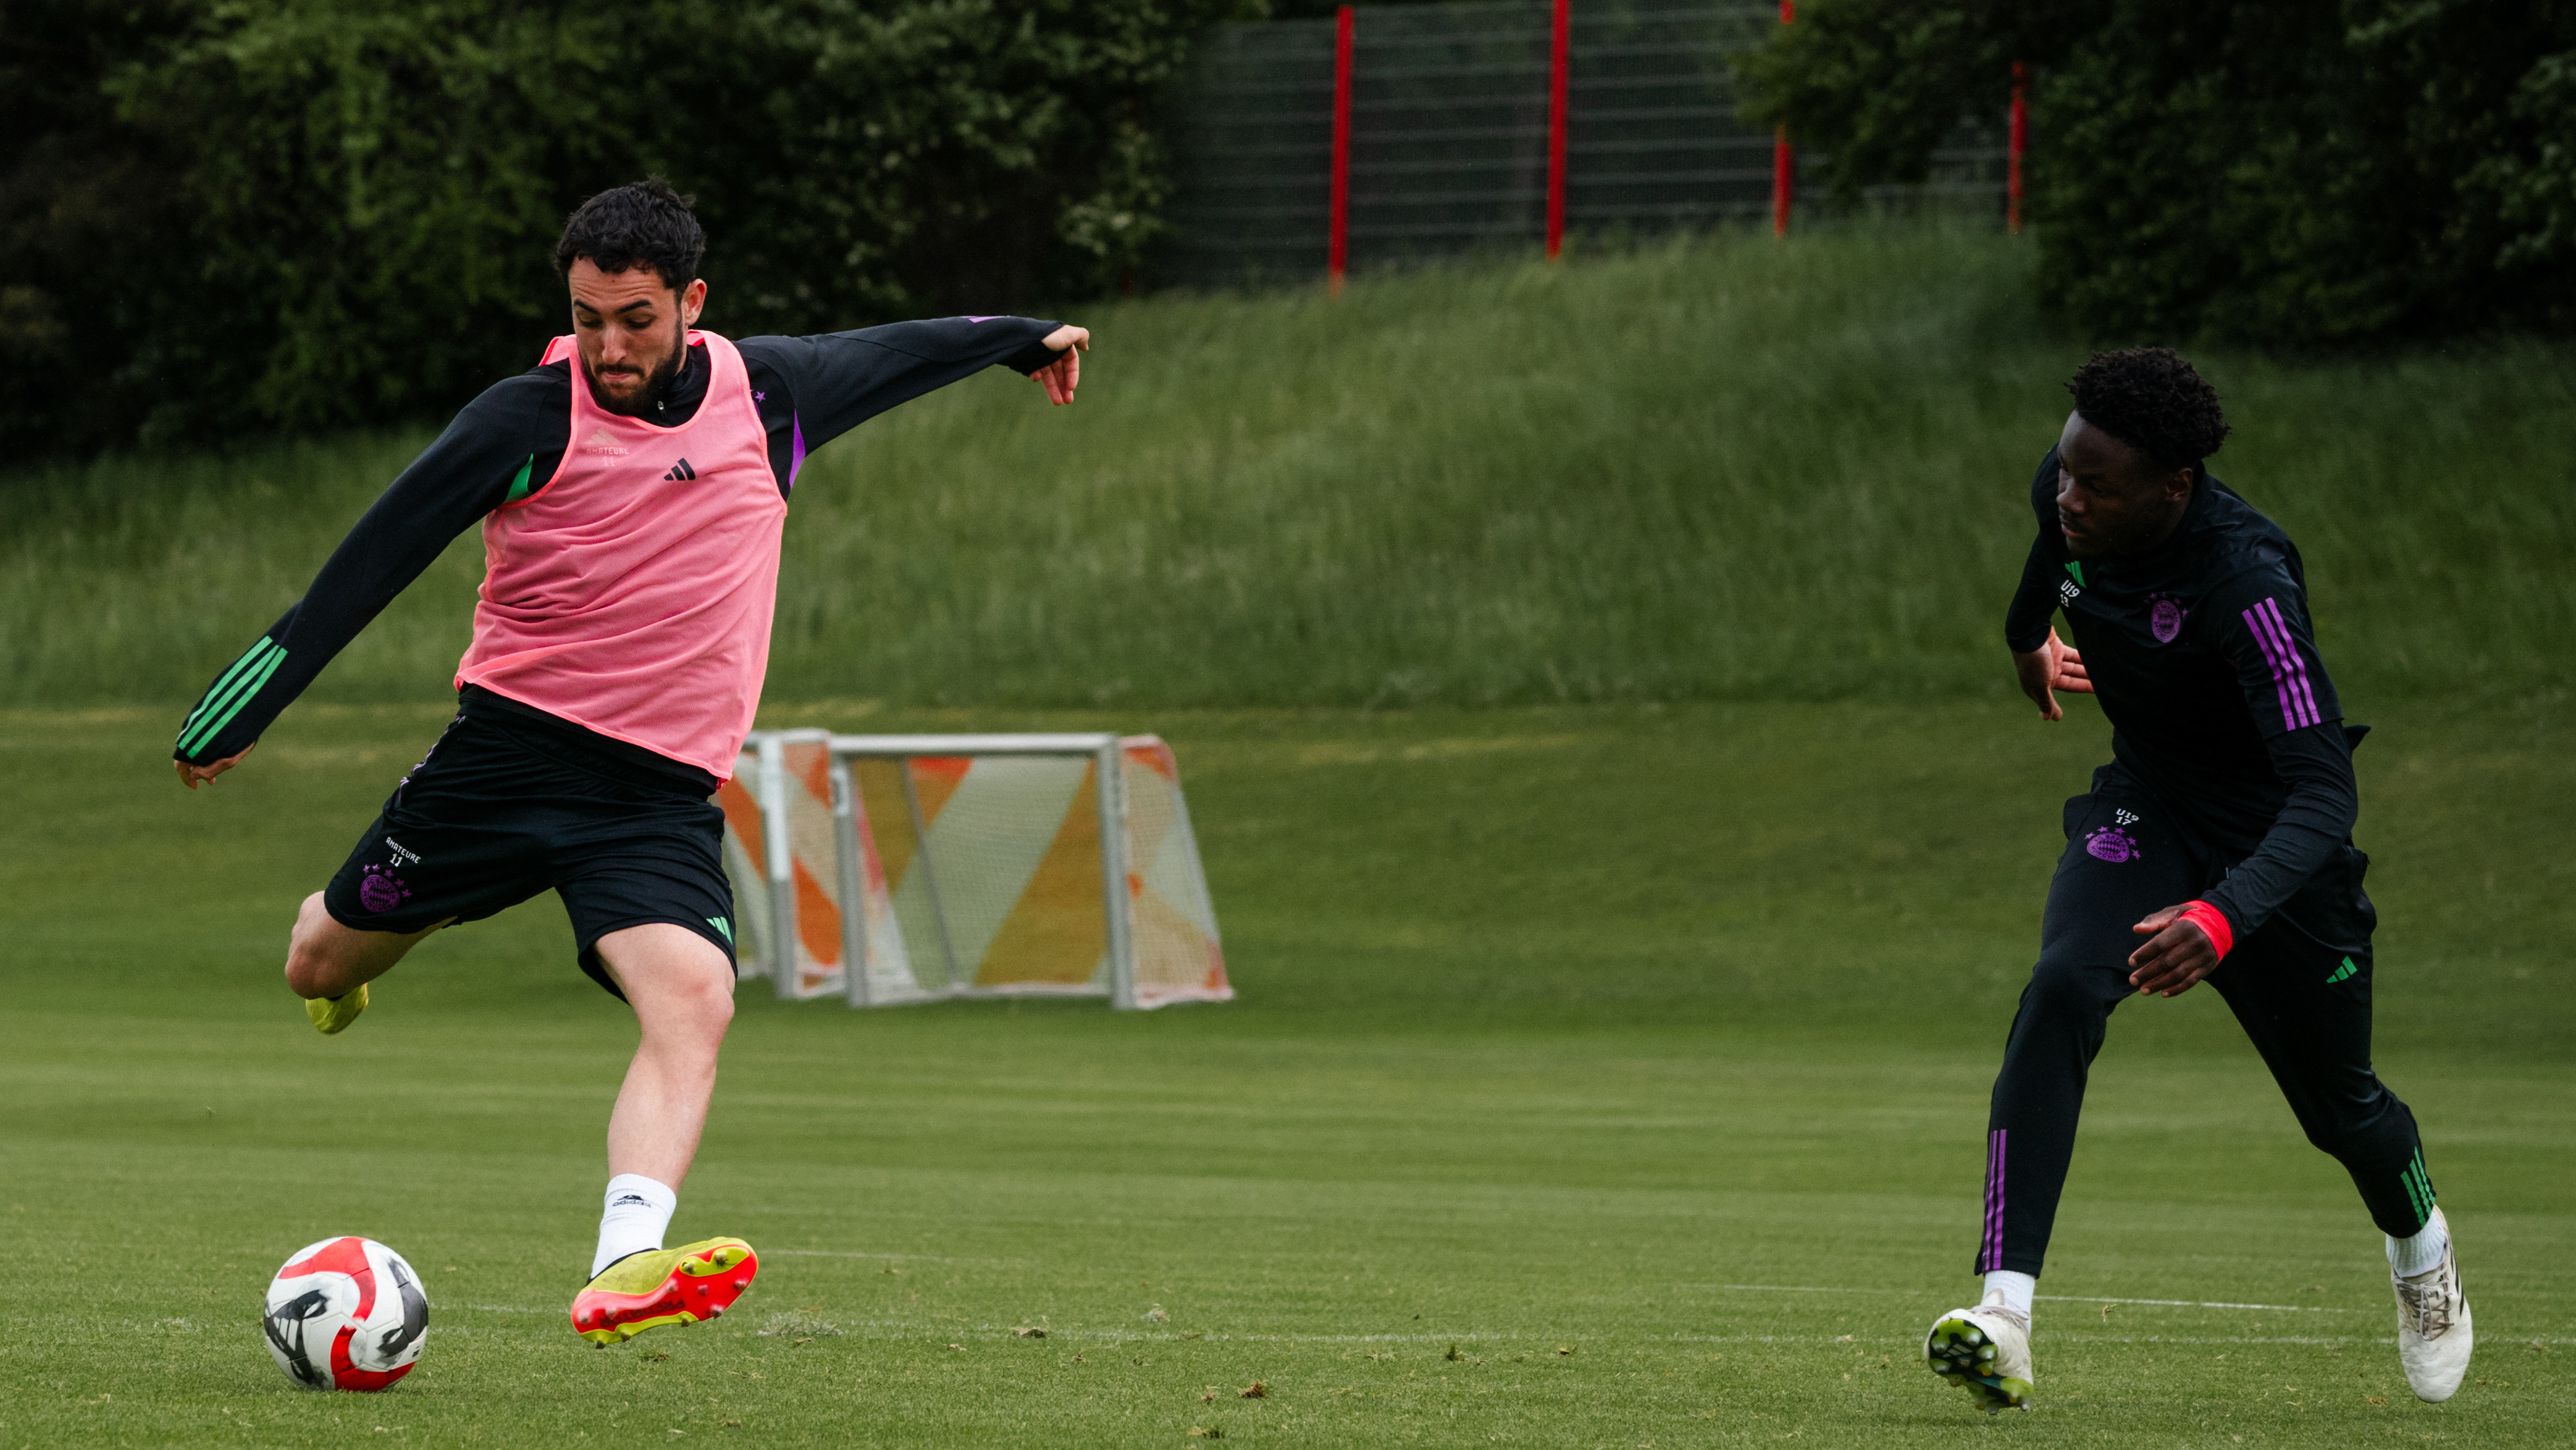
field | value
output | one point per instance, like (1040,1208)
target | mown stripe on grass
(2064,1298)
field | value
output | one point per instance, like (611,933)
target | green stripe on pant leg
(2419,1188)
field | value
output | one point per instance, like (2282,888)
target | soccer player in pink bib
(632,488)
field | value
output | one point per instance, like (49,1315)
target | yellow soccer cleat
(663,1286)
(330,1014)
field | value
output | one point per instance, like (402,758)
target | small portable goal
(887,869)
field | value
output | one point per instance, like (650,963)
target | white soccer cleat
(1985,1351)
(2433,1333)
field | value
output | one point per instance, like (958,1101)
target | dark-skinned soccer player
(2216,846)
(631,489)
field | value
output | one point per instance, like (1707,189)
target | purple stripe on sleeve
(796,458)
(2298,663)
(2272,657)
(2289,672)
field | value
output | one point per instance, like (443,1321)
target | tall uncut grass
(1726,468)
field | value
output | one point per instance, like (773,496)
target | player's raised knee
(312,969)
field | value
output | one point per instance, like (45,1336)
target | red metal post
(1559,55)
(1338,257)
(1784,174)
(2020,143)
(1784,159)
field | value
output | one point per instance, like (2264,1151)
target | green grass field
(1603,1076)
(1588,688)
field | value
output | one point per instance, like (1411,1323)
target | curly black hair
(2152,400)
(644,223)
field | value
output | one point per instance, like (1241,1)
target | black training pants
(2300,985)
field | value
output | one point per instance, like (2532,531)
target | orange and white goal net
(905,868)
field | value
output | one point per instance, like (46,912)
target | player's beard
(656,386)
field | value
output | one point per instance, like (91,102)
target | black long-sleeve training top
(2202,656)
(508,442)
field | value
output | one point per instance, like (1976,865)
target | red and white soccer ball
(346,1314)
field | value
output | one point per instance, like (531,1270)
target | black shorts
(504,807)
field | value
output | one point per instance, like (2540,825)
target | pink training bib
(632,593)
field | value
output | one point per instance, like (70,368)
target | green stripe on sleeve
(257,684)
(519,485)
(248,658)
(225,691)
(242,693)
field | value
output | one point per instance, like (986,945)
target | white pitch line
(1807,1289)
(896,1328)
(2192,1303)
(856,1254)
(2063,1298)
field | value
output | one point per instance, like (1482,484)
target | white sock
(637,1211)
(2421,1254)
(2018,1289)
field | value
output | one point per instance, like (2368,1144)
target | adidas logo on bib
(680,472)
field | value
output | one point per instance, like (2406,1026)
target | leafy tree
(88,214)
(2303,172)
(362,195)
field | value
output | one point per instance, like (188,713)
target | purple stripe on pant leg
(2298,662)
(2001,1143)
(1992,1257)
(1986,1230)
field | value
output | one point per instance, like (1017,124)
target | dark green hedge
(248,215)
(2304,173)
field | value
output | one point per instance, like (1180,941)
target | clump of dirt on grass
(800,1324)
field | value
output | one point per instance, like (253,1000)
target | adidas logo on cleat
(680,472)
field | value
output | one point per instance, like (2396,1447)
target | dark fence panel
(1449,136)
(1251,137)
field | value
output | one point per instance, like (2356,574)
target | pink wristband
(2213,924)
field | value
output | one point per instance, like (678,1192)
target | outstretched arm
(466,474)
(834,381)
